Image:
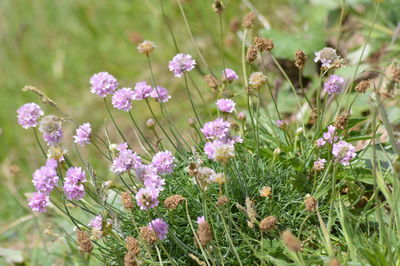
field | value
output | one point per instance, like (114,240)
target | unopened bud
(150,123)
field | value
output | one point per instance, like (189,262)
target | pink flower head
(122,99)
(154,181)
(125,161)
(163,161)
(344,152)
(28,115)
(320,142)
(39,202)
(142,91)
(74,191)
(96,223)
(217,129)
(329,135)
(334,84)
(201,219)
(103,84)
(82,134)
(45,179)
(75,175)
(226,105)
(160,94)
(160,227)
(181,63)
(147,198)
(319,164)
(144,171)
(229,75)
(281,123)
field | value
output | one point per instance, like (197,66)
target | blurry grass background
(57,46)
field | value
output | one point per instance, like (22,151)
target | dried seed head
(173,201)
(334,262)
(146,47)
(314,116)
(248,20)
(257,79)
(224,152)
(301,59)
(268,223)
(222,200)
(263,44)
(395,72)
(234,25)
(212,82)
(218,7)
(148,234)
(85,245)
(290,241)
(204,233)
(130,259)
(328,58)
(132,245)
(192,122)
(41,94)
(363,86)
(341,121)
(250,210)
(126,199)
(150,123)
(266,192)
(219,178)
(235,127)
(311,203)
(252,53)
(197,260)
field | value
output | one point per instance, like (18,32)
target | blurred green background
(57,45)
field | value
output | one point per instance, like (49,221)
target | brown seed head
(248,20)
(263,44)
(301,59)
(212,82)
(341,121)
(204,233)
(146,47)
(173,201)
(85,245)
(218,7)
(234,25)
(222,200)
(252,53)
(127,200)
(311,203)
(130,259)
(395,72)
(363,86)
(148,234)
(132,245)
(268,223)
(290,241)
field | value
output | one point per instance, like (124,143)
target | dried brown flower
(363,86)
(218,7)
(126,199)
(301,59)
(250,211)
(212,82)
(146,47)
(263,44)
(197,260)
(265,192)
(290,241)
(130,259)
(148,234)
(252,53)
(248,20)
(395,72)
(222,200)
(204,233)
(173,201)
(268,223)
(234,25)
(85,245)
(341,121)
(132,245)
(311,203)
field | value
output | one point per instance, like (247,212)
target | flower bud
(241,116)
(150,123)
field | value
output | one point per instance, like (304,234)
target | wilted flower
(319,165)
(122,99)
(328,58)
(265,192)
(281,124)
(211,81)
(252,53)
(160,227)
(85,245)
(96,223)
(218,178)
(248,20)
(126,199)
(50,127)
(344,152)
(181,63)
(334,84)
(226,105)
(39,202)
(148,234)
(290,241)
(301,59)
(224,152)
(268,223)
(28,115)
(160,94)
(229,75)
(163,161)
(142,91)
(103,84)
(257,79)
(263,44)
(82,134)
(173,201)
(147,198)
(146,47)
(363,86)
(311,203)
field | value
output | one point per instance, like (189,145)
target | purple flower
(319,164)
(217,129)
(154,181)
(50,127)
(229,75)
(344,152)
(329,135)
(327,56)
(75,175)
(226,105)
(39,202)
(103,84)
(142,91)
(201,219)
(160,227)
(122,99)
(52,163)
(209,148)
(96,223)
(147,198)
(281,123)
(45,179)
(145,171)
(334,84)
(321,142)
(163,161)
(125,161)
(181,63)
(160,94)
(82,134)
(28,115)
(74,191)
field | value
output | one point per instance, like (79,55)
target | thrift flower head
(217,129)
(45,179)
(39,202)
(75,175)
(74,191)
(160,94)
(319,165)
(103,84)
(146,47)
(125,161)
(328,58)
(181,63)
(226,105)
(320,142)
(281,124)
(229,75)
(28,115)
(160,227)
(344,152)
(334,84)
(257,79)
(144,171)
(154,181)
(147,198)
(224,152)
(200,220)
(330,134)
(163,161)
(142,91)
(50,127)
(122,99)
(96,223)
(82,134)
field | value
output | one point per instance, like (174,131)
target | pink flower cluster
(181,63)
(125,161)
(82,134)
(73,184)
(229,75)
(160,227)
(329,136)
(103,84)
(226,105)
(334,84)
(29,114)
